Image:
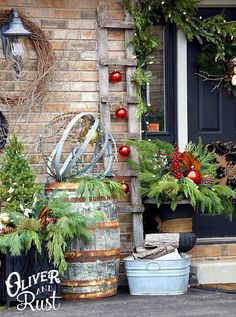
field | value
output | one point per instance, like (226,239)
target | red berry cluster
(175,163)
(47,221)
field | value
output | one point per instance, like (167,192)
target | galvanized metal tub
(158,277)
(93,268)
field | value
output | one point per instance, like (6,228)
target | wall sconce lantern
(14,42)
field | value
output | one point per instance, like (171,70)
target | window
(160,122)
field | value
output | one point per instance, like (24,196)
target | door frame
(182,94)
(182,97)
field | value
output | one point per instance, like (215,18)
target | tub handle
(153,266)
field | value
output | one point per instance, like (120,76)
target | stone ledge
(213,271)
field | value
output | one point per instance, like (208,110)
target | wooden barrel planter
(93,268)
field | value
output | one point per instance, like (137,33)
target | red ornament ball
(121,113)
(125,187)
(124,151)
(115,77)
(194,176)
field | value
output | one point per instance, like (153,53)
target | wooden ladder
(134,125)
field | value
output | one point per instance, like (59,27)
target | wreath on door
(220,69)
(217,36)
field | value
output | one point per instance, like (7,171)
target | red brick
(125,217)
(83,4)
(54,24)
(116,35)
(51,3)
(88,34)
(56,107)
(84,86)
(83,25)
(82,45)
(119,127)
(115,5)
(66,96)
(232,249)
(60,45)
(53,13)
(88,15)
(115,15)
(116,46)
(83,65)
(66,34)
(201,251)
(20,3)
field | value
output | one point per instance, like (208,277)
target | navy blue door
(211,115)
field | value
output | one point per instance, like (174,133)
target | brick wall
(71,27)
(214,252)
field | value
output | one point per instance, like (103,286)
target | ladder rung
(118,62)
(113,99)
(110,24)
(121,136)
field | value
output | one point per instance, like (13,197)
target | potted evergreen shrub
(35,230)
(175,179)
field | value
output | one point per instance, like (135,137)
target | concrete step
(209,271)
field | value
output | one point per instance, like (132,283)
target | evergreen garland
(214,33)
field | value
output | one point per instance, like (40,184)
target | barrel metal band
(105,225)
(86,256)
(110,225)
(106,293)
(86,283)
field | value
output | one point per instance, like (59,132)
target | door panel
(211,115)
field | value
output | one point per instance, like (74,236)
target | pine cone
(207,180)
(6,230)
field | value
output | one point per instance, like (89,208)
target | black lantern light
(14,37)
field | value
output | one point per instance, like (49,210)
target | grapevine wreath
(45,56)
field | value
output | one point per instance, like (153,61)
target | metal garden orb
(73,144)
(14,38)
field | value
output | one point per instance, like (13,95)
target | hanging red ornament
(121,113)
(124,151)
(125,187)
(194,176)
(115,77)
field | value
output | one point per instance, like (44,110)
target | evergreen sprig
(90,187)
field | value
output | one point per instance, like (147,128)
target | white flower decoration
(11,190)
(35,200)
(21,207)
(27,211)
(9,198)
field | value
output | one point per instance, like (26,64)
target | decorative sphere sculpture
(73,144)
